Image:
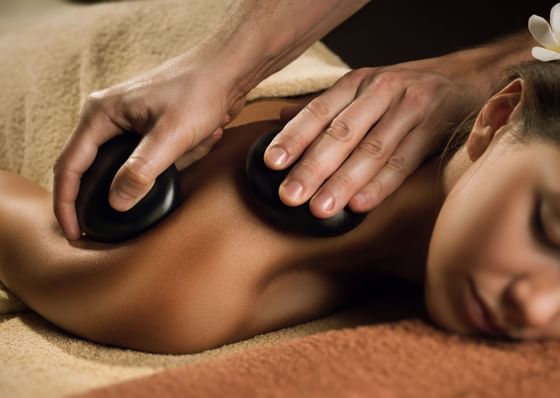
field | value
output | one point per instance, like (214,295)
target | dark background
(386,32)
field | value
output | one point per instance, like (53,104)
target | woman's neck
(395,236)
(416,206)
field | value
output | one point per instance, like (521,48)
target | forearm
(493,58)
(483,66)
(259,37)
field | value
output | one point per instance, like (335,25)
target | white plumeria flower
(548,35)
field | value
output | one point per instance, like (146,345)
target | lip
(479,315)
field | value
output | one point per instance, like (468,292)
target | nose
(533,301)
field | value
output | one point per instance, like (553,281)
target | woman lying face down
(480,231)
(494,259)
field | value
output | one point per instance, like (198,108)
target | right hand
(179,107)
(358,142)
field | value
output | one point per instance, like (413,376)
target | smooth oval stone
(98,219)
(265,182)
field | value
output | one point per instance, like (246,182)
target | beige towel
(38,360)
(50,60)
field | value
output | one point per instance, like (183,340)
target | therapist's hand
(178,107)
(365,135)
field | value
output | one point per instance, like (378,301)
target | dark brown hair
(540,105)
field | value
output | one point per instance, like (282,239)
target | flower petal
(540,29)
(555,20)
(544,54)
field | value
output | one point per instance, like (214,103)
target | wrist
(259,37)
(484,66)
(234,61)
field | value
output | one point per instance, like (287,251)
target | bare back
(213,272)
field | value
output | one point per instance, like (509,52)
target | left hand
(365,135)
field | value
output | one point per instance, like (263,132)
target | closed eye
(538,226)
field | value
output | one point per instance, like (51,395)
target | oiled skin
(211,273)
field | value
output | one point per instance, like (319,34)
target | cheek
(454,251)
(467,221)
(483,234)
(491,194)
(479,222)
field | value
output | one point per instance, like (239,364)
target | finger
(76,157)
(329,151)
(367,158)
(403,162)
(301,130)
(65,192)
(200,150)
(158,149)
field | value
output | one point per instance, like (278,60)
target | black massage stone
(102,223)
(265,183)
(98,219)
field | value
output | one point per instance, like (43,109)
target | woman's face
(494,259)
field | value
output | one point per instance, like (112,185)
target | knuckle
(343,180)
(386,81)
(353,78)
(311,167)
(96,103)
(397,164)
(372,147)
(136,109)
(319,109)
(339,130)
(415,96)
(96,100)
(135,171)
(96,97)
(375,187)
(434,80)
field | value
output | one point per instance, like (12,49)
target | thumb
(131,183)
(153,155)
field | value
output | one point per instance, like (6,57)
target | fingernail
(293,190)
(277,155)
(325,201)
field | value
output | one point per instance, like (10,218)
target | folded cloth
(52,59)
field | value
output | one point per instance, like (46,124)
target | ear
(497,112)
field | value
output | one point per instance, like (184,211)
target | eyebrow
(551,223)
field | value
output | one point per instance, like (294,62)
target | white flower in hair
(548,35)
